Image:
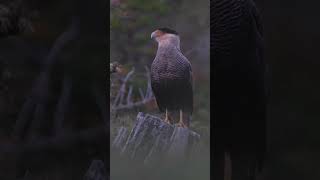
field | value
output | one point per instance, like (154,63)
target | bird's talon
(181,125)
(167,121)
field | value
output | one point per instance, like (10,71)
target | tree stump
(151,139)
(120,139)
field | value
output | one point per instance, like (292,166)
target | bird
(115,67)
(239,88)
(171,77)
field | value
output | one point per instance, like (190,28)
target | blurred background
(131,24)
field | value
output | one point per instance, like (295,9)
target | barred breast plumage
(171,80)
(239,92)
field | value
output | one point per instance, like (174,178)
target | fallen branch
(119,104)
(122,90)
(133,105)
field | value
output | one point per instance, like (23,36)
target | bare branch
(144,97)
(129,95)
(133,105)
(120,95)
(149,93)
(141,94)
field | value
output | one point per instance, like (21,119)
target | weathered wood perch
(152,139)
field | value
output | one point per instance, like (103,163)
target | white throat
(169,40)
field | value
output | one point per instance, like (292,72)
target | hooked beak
(153,35)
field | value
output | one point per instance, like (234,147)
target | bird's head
(115,67)
(165,36)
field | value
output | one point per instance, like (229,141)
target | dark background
(53,90)
(131,24)
(292,52)
(292,34)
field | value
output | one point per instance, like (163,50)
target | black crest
(168,30)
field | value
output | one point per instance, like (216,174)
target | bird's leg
(181,124)
(183,120)
(167,117)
